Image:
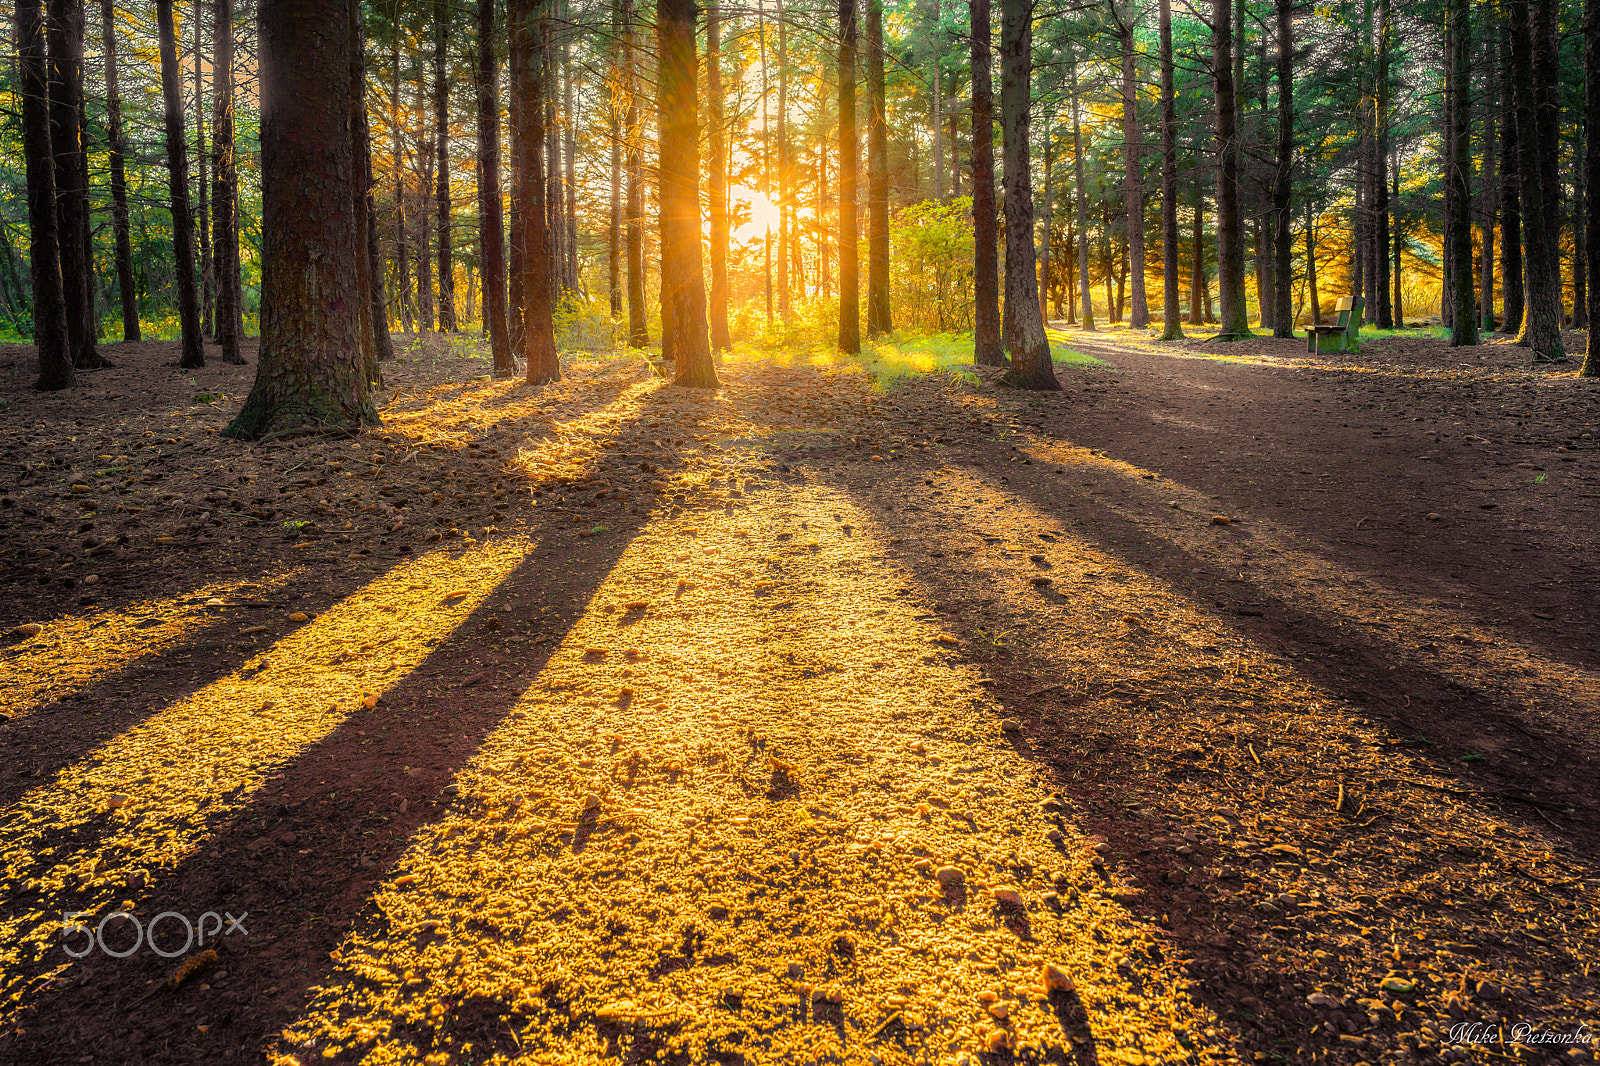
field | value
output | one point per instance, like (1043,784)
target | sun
(764,215)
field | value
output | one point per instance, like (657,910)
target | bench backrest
(1353,326)
(1343,308)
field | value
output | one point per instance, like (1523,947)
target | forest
(577,531)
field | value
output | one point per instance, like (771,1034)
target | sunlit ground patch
(146,799)
(74,652)
(718,821)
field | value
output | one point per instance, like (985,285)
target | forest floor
(1232,705)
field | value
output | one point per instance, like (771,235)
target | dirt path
(806,723)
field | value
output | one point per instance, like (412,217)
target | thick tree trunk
(849,250)
(1085,294)
(717,183)
(203,206)
(531,75)
(361,176)
(878,319)
(50,337)
(1541,316)
(1133,171)
(178,186)
(1031,366)
(441,176)
(491,216)
(1171,327)
(1464,324)
(1512,295)
(638,327)
(225,188)
(1591,162)
(116,149)
(987,349)
(1282,186)
(64,32)
(683,296)
(1230,238)
(310,378)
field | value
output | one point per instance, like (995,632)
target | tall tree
(1511,290)
(360,177)
(878,319)
(64,32)
(441,175)
(50,337)
(116,149)
(1132,161)
(614,120)
(1085,290)
(1486,214)
(1230,235)
(1591,162)
(530,74)
(1541,315)
(376,307)
(202,193)
(1171,326)
(988,350)
(785,161)
(1025,338)
(178,186)
(491,218)
(638,328)
(683,296)
(310,377)
(1380,184)
(1464,321)
(225,190)
(849,250)
(717,183)
(1282,187)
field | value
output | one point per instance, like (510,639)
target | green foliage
(930,281)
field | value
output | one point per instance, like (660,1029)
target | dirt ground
(1232,705)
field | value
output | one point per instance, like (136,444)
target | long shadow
(303,861)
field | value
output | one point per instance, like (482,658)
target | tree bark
(683,297)
(1198,299)
(849,251)
(225,187)
(50,336)
(1230,239)
(785,208)
(1512,295)
(1380,185)
(638,328)
(116,150)
(1464,324)
(203,207)
(987,349)
(531,73)
(64,32)
(1133,171)
(1026,341)
(1085,290)
(1541,316)
(614,119)
(178,186)
(1171,327)
(879,322)
(1591,162)
(717,183)
(491,217)
(1311,267)
(935,125)
(1486,318)
(441,176)
(361,177)
(1282,188)
(310,378)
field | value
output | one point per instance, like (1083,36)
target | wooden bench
(1344,335)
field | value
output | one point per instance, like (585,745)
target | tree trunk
(402,249)
(1486,219)
(1171,327)
(1031,366)
(178,185)
(1085,296)
(427,157)
(1282,187)
(531,73)
(1197,265)
(1464,324)
(1399,243)
(491,218)
(516,60)
(1541,315)
(878,320)
(614,228)
(361,171)
(683,297)
(785,208)
(1230,238)
(1591,162)
(50,336)
(64,32)
(225,187)
(441,177)
(569,135)
(309,378)
(1380,184)
(1047,213)
(717,183)
(935,123)
(1512,296)
(638,328)
(116,148)
(987,350)
(1133,171)
(849,252)
(1311,267)
(203,208)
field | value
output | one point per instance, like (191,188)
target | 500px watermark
(195,934)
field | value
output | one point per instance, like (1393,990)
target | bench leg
(1311,342)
